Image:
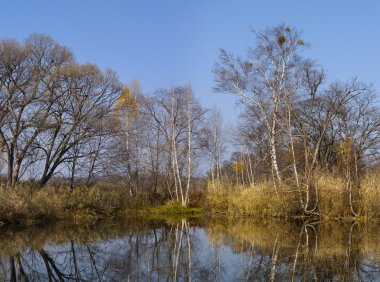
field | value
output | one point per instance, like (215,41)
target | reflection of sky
(234,266)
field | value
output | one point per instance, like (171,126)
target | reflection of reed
(15,238)
(178,251)
(320,251)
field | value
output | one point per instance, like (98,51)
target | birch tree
(176,122)
(213,141)
(263,78)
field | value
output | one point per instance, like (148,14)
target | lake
(201,249)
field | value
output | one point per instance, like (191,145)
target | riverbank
(329,199)
(27,206)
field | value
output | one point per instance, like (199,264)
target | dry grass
(370,195)
(261,200)
(333,196)
(32,206)
(28,206)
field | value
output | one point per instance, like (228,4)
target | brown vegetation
(83,205)
(333,201)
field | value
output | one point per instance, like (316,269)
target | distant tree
(214,142)
(129,143)
(176,123)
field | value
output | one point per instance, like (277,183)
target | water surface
(219,249)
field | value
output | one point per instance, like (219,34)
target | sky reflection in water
(196,250)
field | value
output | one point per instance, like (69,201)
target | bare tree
(129,142)
(90,98)
(263,79)
(28,93)
(176,120)
(50,105)
(214,142)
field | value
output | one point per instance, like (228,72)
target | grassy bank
(25,205)
(170,210)
(329,194)
(28,206)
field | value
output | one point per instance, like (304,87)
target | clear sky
(164,42)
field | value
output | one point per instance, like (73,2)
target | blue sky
(164,42)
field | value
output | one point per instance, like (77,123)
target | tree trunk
(273,155)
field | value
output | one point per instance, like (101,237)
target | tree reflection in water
(183,250)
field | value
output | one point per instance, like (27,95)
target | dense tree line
(62,120)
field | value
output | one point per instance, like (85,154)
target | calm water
(199,250)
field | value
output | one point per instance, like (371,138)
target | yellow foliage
(346,151)
(127,104)
(239,166)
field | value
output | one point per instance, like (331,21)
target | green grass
(170,208)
